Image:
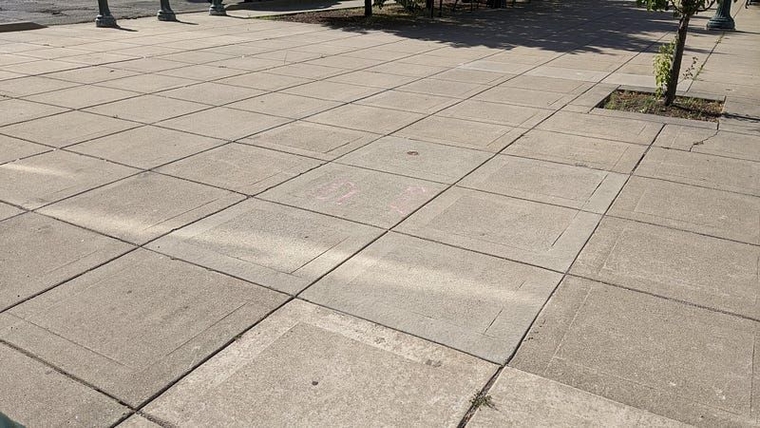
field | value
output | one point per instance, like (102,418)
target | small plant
(662,63)
(481,399)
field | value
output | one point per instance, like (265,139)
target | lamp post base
(105,21)
(721,23)
(166,15)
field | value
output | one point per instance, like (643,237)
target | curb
(6,27)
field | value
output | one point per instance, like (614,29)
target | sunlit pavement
(240,222)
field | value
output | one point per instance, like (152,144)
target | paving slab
(30,85)
(201,73)
(372,79)
(569,186)
(610,128)
(8,211)
(497,113)
(142,207)
(70,128)
(702,270)
(548,84)
(12,149)
(15,111)
(224,123)
(136,324)
(371,197)
(443,88)
(418,159)
(696,209)
(241,168)
(672,359)
(461,133)
(524,399)
(408,101)
(475,303)
(332,91)
(311,139)
(544,235)
(91,75)
(567,73)
(285,105)
(39,252)
(279,247)
(264,81)
(147,83)
(212,93)
(577,150)
(525,97)
(34,394)
(365,118)
(506,68)
(698,169)
(147,109)
(708,141)
(146,147)
(463,74)
(308,366)
(81,97)
(137,421)
(40,180)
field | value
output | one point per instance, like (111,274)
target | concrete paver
(306,365)
(720,173)
(418,159)
(280,247)
(142,207)
(146,146)
(475,303)
(241,168)
(461,133)
(71,128)
(49,177)
(357,194)
(173,314)
(696,209)
(263,161)
(311,139)
(524,399)
(578,150)
(34,393)
(530,232)
(698,269)
(570,186)
(666,357)
(39,252)
(12,149)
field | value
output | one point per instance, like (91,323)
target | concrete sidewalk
(235,222)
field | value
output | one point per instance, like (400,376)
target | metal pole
(217,8)
(722,19)
(104,18)
(166,13)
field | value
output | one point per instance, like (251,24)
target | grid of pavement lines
(249,222)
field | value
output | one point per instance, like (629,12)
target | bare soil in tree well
(683,107)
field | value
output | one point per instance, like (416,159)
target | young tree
(673,53)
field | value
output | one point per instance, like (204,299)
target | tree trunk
(367,7)
(675,69)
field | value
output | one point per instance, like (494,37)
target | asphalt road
(50,12)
